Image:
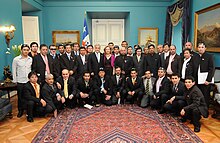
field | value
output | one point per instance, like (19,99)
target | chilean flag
(85,40)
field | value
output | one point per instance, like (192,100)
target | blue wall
(196,6)
(69,16)
(10,13)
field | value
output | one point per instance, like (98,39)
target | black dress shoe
(20,113)
(30,119)
(162,111)
(197,129)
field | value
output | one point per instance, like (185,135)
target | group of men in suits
(77,76)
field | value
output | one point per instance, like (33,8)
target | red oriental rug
(115,124)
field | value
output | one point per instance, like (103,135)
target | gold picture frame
(65,37)
(147,36)
(207,27)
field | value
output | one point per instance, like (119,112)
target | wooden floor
(18,130)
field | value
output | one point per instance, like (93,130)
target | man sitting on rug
(51,94)
(102,89)
(84,87)
(196,105)
(161,90)
(176,102)
(118,87)
(35,104)
(134,88)
(67,84)
(148,82)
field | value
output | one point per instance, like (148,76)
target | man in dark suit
(139,61)
(161,90)
(118,87)
(95,61)
(204,64)
(68,61)
(61,50)
(186,65)
(76,47)
(188,45)
(84,87)
(35,104)
(173,62)
(34,49)
(134,88)
(43,64)
(67,85)
(82,61)
(56,61)
(124,62)
(51,94)
(152,61)
(102,90)
(165,54)
(177,101)
(148,82)
(196,105)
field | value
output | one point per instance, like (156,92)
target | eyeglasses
(53,49)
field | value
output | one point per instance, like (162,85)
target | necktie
(86,82)
(36,90)
(147,87)
(133,81)
(65,88)
(47,65)
(98,58)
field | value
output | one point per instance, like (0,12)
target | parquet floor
(18,130)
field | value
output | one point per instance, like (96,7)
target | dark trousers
(159,102)
(122,97)
(206,92)
(136,97)
(194,115)
(100,98)
(35,109)
(70,103)
(21,102)
(175,107)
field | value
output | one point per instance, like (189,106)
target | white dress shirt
(68,55)
(158,84)
(83,59)
(184,67)
(21,67)
(169,70)
(98,57)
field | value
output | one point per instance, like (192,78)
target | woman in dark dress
(109,60)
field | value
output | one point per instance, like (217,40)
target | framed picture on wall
(207,28)
(65,37)
(147,36)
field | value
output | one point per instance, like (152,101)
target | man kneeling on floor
(36,106)
(196,105)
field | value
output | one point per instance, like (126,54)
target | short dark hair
(82,48)
(86,72)
(187,49)
(134,69)
(24,45)
(116,46)
(190,78)
(166,44)
(76,44)
(174,46)
(162,68)
(117,67)
(52,45)
(110,43)
(43,45)
(33,43)
(129,47)
(31,73)
(175,74)
(139,48)
(89,46)
(150,46)
(68,45)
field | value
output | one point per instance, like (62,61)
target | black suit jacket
(39,66)
(29,93)
(49,94)
(196,100)
(97,84)
(117,87)
(80,67)
(93,64)
(206,63)
(81,86)
(71,85)
(57,70)
(175,64)
(164,87)
(125,63)
(178,91)
(71,64)
(153,63)
(137,87)
(162,60)
(139,65)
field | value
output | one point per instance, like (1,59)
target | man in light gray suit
(148,83)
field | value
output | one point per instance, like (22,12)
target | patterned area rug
(115,124)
